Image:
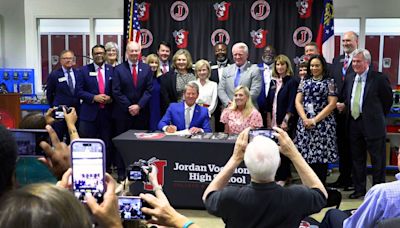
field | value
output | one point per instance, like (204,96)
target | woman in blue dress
(155,105)
(316,128)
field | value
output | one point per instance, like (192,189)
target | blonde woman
(207,89)
(241,114)
(155,100)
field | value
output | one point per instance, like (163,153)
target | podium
(10,111)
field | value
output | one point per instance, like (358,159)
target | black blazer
(337,74)
(377,101)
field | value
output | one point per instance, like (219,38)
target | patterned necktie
(355,109)
(134,75)
(237,78)
(345,66)
(100,81)
(164,68)
(187,118)
(70,82)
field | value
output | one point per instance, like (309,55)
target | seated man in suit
(187,114)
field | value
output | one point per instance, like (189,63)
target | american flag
(326,38)
(134,25)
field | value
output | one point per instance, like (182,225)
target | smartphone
(269,133)
(28,141)
(129,208)
(88,168)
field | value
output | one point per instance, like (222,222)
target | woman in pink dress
(241,114)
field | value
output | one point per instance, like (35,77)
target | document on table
(183,132)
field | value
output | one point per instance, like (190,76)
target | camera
(130,208)
(58,112)
(269,133)
(135,171)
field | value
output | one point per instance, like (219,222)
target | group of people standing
(318,104)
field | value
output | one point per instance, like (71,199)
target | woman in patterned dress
(316,129)
(241,114)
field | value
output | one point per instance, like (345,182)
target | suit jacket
(176,115)
(126,94)
(58,92)
(214,71)
(377,101)
(250,77)
(88,87)
(337,74)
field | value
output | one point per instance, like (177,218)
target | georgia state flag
(326,38)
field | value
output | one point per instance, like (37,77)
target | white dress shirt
(208,95)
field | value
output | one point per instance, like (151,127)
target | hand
(284,126)
(240,145)
(108,99)
(71,117)
(286,144)
(308,123)
(49,116)
(195,130)
(58,155)
(161,211)
(171,129)
(134,109)
(340,106)
(107,213)
(152,175)
(65,181)
(100,98)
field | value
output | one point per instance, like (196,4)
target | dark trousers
(321,169)
(99,128)
(345,161)
(334,218)
(359,145)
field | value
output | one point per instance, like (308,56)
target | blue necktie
(70,83)
(237,78)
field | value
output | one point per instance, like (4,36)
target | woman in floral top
(241,114)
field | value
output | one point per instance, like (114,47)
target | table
(186,166)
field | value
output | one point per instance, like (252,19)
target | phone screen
(269,133)
(87,157)
(28,141)
(129,208)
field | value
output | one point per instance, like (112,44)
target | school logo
(220,36)
(260,10)
(146,37)
(222,10)
(181,38)
(302,36)
(304,8)
(143,11)
(160,164)
(179,11)
(259,38)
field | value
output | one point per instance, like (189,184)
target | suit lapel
(196,113)
(93,79)
(107,77)
(182,115)
(129,72)
(368,83)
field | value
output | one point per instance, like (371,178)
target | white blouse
(208,95)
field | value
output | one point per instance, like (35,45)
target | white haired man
(263,203)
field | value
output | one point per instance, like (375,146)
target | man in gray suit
(241,73)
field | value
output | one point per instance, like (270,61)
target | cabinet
(392,140)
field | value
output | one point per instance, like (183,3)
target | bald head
(133,50)
(349,42)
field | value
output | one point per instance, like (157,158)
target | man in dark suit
(164,52)
(339,70)
(265,67)
(241,73)
(131,87)
(221,61)
(94,88)
(60,90)
(368,100)
(187,114)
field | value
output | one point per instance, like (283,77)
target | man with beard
(266,67)
(94,88)
(222,60)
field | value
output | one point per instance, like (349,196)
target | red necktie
(134,75)
(345,66)
(101,83)
(164,68)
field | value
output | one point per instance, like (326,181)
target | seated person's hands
(58,155)
(171,129)
(195,130)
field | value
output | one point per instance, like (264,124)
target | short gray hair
(110,45)
(193,85)
(365,53)
(241,45)
(262,158)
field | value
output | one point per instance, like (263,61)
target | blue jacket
(175,115)
(58,92)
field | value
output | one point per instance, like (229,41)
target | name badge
(93,74)
(63,79)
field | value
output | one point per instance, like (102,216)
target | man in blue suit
(187,114)
(60,89)
(131,87)
(94,88)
